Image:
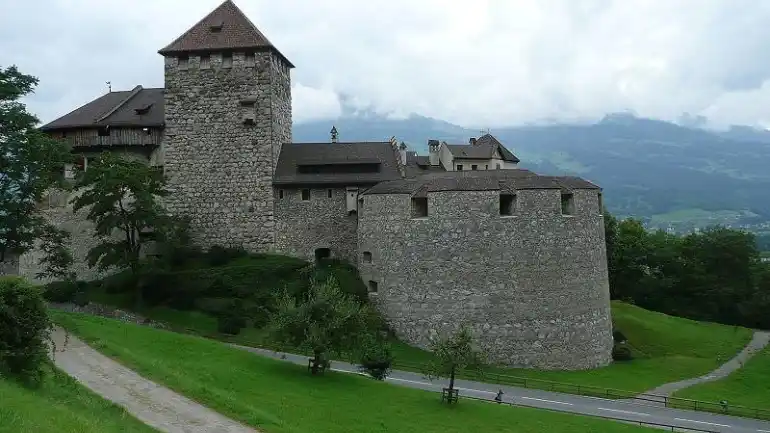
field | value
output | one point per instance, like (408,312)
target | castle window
(183,62)
(567,203)
(251,60)
(601,204)
(227,60)
(459,167)
(147,131)
(305,194)
(329,193)
(367,257)
(474,167)
(205,61)
(498,166)
(419,207)
(372,286)
(507,204)
(486,167)
(104,132)
(280,194)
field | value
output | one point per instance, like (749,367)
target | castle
(460,235)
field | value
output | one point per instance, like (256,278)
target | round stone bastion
(518,257)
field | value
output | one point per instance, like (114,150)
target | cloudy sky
(474,63)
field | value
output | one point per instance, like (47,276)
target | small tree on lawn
(326,321)
(454,353)
(122,197)
(31,162)
(376,357)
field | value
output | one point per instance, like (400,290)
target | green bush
(60,291)
(376,359)
(219,256)
(230,324)
(621,352)
(24,330)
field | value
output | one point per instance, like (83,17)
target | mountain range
(670,175)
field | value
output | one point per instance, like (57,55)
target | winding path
(758,342)
(152,404)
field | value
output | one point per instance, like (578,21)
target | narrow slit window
(567,203)
(419,207)
(305,194)
(205,62)
(507,204)
(280,194)
(329,193)
(372,286)
(367,257)
(601,204)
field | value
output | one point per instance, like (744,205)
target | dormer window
(143,110)
(216,27)
(147,131)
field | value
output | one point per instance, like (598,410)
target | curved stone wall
(533,286)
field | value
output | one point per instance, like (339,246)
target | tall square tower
(227,113)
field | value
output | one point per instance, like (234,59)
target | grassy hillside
(278,397)
(61,405)
(748,386)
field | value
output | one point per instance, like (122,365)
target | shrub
(219,256)
(376,359)
(618,336)
(621,352)
(60,291)
(25,330)
(230,324)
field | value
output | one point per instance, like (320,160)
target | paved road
(152,404)
(628,410)
(758,342)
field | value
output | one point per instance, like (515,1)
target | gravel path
(154,405)
(758,342)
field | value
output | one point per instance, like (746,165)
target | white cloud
(480,62)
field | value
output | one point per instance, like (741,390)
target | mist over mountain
(668,174)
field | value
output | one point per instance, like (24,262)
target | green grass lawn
(748,386)
(666,348)
(61,405)
(276,396)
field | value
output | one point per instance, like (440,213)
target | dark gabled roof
(234,31)
(417,165)
(116,109)
(480,180)
(484,148)
(294,155)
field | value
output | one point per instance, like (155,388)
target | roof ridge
(135,91)
(194,26)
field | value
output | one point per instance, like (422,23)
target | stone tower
(227,113)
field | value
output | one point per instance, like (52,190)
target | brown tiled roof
(115,109)
(226,28)
(480,180)
(484,148)
(294,155)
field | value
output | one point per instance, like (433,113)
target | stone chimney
(433,147)
(402,153)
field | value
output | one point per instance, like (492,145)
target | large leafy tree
(31,162)
(454,353)
(326,320)
(122,198)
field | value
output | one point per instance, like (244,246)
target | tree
(376,357)
(122,197)
(56,263)
(325,321)
(31,162)
(453,353)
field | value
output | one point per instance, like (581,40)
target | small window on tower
(567,203)
(372,286)
(251,60)
(227,60)
(419,207)
(507,204)
(474,167)
(305,194)
(280,194)
(367,257)
(205,61)
(459,167)
(601,204)
(329,193)
(183,62)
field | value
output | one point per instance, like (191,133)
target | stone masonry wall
(321,222)
(9,266)
(533,286)
(219,169)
